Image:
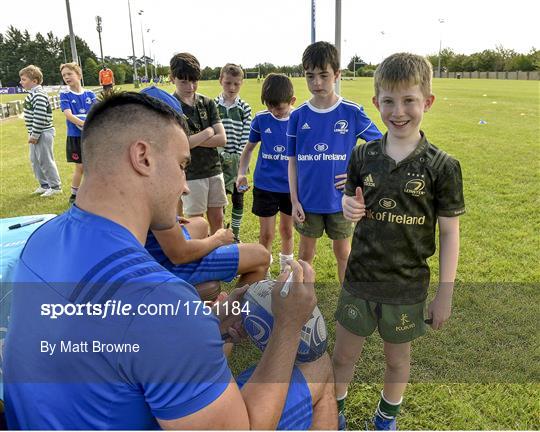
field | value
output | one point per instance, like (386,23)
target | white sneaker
(51,192)
(39,191)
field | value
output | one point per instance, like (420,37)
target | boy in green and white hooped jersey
(398,188)
(235,115)
(39,124)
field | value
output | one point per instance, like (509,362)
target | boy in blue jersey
(271,186)
(398,189)
(75,104)
(322,133)
(135,369)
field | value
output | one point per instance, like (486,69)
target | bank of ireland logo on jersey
(341,127)
(387,203)
(279,148)
(320,147)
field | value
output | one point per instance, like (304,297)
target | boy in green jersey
(398,188)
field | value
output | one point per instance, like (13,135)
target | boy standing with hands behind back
(39,124)
(398,188)
(322,133)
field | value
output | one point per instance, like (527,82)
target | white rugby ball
(258,323)
(82,117)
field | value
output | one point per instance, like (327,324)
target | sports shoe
(380,423)
(341,421)
(39,191)
(50,192)
(72,199)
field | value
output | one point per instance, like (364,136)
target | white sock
(283,260)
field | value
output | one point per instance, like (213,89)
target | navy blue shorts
(219,265)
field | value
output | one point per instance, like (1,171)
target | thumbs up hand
(354,207)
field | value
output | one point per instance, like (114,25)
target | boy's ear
(293,100)
(375,102)
(171,78)
(337,76)
(428,102)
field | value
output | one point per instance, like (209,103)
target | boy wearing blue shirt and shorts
(271,192)
(75,103)
(398,188)
(322,133)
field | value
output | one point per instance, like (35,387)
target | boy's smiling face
(321,81)
(402,110)
(231,85)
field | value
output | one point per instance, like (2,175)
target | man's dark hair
(320,55)
(185,66)
(276,89)
(123,112)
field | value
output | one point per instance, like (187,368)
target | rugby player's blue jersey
(99,366)
(322,140)
(272,164)
(79,104)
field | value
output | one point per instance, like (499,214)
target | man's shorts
(73,149)
(219,265)
(267,204)
(335,225)
(204,194)
(396,323)
(229,166)
(297,413)
(107,87)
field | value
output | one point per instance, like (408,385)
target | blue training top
(76,371)
(271,171)
(322,141)
(79,104)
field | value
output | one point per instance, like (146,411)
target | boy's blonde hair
(404,69)
(32,72)
(73,66)
(231,69)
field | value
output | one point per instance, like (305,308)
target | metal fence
(514,75)
(15,108)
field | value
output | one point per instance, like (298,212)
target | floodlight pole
(338,42)
(312,21)
(135,76)
(99,29)
(441,21)
(143,52)
(74,56)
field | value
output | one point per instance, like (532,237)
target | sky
(248,32)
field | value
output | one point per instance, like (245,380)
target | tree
(83,50)
(91,72)
(356,63)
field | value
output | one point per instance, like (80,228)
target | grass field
(480,372)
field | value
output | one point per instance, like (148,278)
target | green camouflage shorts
(335,225)
(229,165)
(396,323)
